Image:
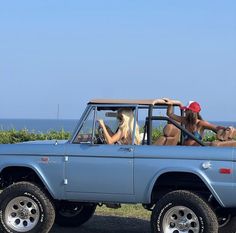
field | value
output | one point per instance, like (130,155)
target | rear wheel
(183,211)
(227,223)
(74,214)
(24,207)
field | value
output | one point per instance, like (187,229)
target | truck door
(94,170)
(106,169)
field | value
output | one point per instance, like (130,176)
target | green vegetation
(14,136)
(156,133)
(125,211)
(209,136)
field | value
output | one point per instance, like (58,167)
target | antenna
(58,111)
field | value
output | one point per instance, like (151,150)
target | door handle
(128,149)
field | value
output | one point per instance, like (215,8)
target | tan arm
(170,114)
(110,139)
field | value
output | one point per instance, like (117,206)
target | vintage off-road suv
(189,189)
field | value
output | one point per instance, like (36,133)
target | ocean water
(39,125)
(45,125)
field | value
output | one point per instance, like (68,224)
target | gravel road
(108,224)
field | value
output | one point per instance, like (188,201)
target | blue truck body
(92,173)
(107,173)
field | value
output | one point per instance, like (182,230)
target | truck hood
(45,147)
(45,142)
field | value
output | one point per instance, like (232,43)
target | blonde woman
(125,130)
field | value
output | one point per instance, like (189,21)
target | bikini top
(195,133)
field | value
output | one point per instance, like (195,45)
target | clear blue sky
(68,52)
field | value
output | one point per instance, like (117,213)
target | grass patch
(126,210)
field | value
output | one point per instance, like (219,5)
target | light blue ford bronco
(189,189)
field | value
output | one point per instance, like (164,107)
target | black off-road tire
(229,226)
(74,215)
(24,207)
(183,211)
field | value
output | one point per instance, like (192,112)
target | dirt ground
(108,224)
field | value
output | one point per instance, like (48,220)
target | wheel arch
(170,180)
(18,173)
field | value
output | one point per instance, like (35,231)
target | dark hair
(191,120)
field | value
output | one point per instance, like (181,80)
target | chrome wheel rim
(22,214)
(180,219)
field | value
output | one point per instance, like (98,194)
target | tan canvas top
(163,101)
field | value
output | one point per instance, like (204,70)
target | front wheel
(24,207)
(183,211)
(74,214)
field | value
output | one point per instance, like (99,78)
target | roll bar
(148,128)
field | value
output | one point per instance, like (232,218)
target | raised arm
(170,114)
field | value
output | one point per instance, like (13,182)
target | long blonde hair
(127,125)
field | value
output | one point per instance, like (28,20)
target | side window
(110,119)
(117,118)
(85,134)
(158,126)
(163,132)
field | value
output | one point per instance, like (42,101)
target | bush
(156,133)
(209,136)
(16,136)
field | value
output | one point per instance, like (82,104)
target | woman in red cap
(193,122)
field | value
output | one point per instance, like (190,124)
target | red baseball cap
(193,106)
